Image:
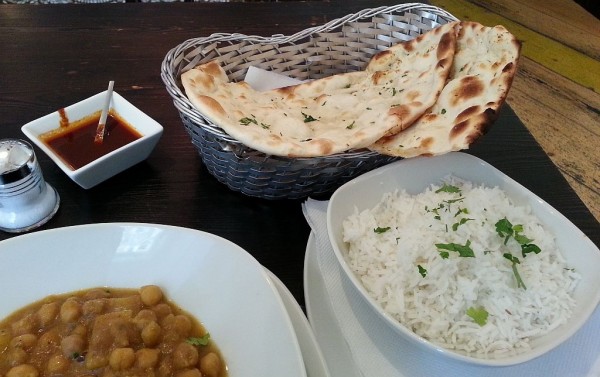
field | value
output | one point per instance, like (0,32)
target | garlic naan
(481,75)
(332,114)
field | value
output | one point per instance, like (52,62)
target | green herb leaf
(464,251)
(422,271)
(515,261)
(529,248)
(521,239)
(201,341)
(504,229)
(448,188)
(444,254)
(247,120)
(479,315)
(351,125)
(380,230)
(308,118)
(461,222)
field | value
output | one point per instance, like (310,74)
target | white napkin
(378,351)
(261,80)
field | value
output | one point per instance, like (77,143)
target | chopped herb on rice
(449,264)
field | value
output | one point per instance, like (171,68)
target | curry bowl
(67,137)
(417,175)
(210,278)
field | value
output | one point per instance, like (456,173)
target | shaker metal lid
(16,160)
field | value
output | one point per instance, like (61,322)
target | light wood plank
(565,120)
(563,21)
(552,54)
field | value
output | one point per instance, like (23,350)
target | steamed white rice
(434,306)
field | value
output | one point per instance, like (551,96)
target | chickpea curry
(107,332)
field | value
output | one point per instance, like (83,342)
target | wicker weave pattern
(342,45)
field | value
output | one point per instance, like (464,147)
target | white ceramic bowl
(211,278)
(112,163)
(415,175)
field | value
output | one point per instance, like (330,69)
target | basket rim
(175,55)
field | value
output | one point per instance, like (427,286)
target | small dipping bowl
(103,167)
(26,200)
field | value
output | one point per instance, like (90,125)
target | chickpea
(70,310)
(57,364)
(151,334)
(210,365)
(72,345)
(95,306)
(23,370)
(185,356)
(48,340)
(5,338)
(183,325)
(162,310)
(25,341)
(80,330)
(25,325)
(121,358)
(16,356)
(146,358)
(151,295)
(47,313)
(144,317)
(189,373)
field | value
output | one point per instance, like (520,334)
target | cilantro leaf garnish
(462,250)
(380,230)
(515,261)
(247,120)
(479,315)
(199,341)
(422,270)
(461,222)
(507,230)
(308,118)
(448,188)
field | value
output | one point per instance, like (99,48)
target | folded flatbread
(332,114)
(481,75)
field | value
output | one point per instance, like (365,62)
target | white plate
(311,352)
(385,354)
(211,278)
(415,175)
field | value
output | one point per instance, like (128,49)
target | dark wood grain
(52,56)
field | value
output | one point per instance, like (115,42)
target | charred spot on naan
(472,128)
(468,87)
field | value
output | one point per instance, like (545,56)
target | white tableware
(415,175)
(311,351)
(112,163)
(209,277)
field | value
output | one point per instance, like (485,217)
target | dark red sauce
(75,145)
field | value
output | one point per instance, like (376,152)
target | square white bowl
(112,163)
(415,175)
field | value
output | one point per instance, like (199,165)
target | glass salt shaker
(26,200)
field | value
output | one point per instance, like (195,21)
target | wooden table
(53,56)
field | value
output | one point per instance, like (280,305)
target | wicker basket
(342,45)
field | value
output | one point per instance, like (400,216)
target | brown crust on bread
(482,72)
(334,114)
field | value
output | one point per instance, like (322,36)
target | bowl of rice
(464,261)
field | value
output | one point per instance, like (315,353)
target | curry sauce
(107,332)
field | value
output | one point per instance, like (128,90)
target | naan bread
(481,75)
(333,114)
